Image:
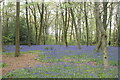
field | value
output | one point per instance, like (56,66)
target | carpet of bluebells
(66,62)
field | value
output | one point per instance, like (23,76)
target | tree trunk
(17,52)
(102,28)
(98,33)
(64,19)
(0,31)
(110,18)
(28,28)
(118,24)
(35,23)
(86,20)
(41,23)
(71,33)
(65,27)
(76,31)
(56,27)
(105,15)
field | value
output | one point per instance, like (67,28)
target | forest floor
(58,61)
(25,60)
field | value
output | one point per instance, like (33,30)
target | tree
(117,43)
(0,31)
(102,30)
(65,26)
(56,27)
(35,22)
(28,27)
(17,52)
(76,30)
(86,20)
(110,21)
(41,22)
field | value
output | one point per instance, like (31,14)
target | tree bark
(110,19)
(102,29)
(65,27)
(35,23)
(17,52)
(86,20)
(41,23)
(0,30)
(56,27)
(76,31)
(28,28)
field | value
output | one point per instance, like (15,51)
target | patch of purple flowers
(58,51)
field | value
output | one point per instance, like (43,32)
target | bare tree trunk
(102,29)
(65,27)
(110,34)
(41,23)
(56,27)
(98,33)
(76,31)
(105,15)
(110,18)
(3,26)
(118,24)
(35,24)
(0,30)
(28,28)
(86,20)
(17,52)
(71,33)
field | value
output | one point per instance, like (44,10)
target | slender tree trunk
(59,33)
(119,24)
(41,23)
(71,33)
(56,27)
(65,26)
(117,43)
(3,26)
(35,23)
(17,52)
(0,30)
(76,31)
(110,18)
(86,20)
(119,33)
(105,15)
(28,28)
(97,32)
(110,33)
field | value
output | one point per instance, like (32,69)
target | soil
(25,60)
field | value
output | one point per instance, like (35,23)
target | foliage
(3,64)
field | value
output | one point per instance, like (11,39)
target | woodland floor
(57,61)
(25,60)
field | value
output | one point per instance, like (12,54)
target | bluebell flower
(36,73)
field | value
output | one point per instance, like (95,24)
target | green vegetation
(3,64)
(64,71)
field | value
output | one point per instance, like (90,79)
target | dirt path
(25,60)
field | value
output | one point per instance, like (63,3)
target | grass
(26,52)
(3,64)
